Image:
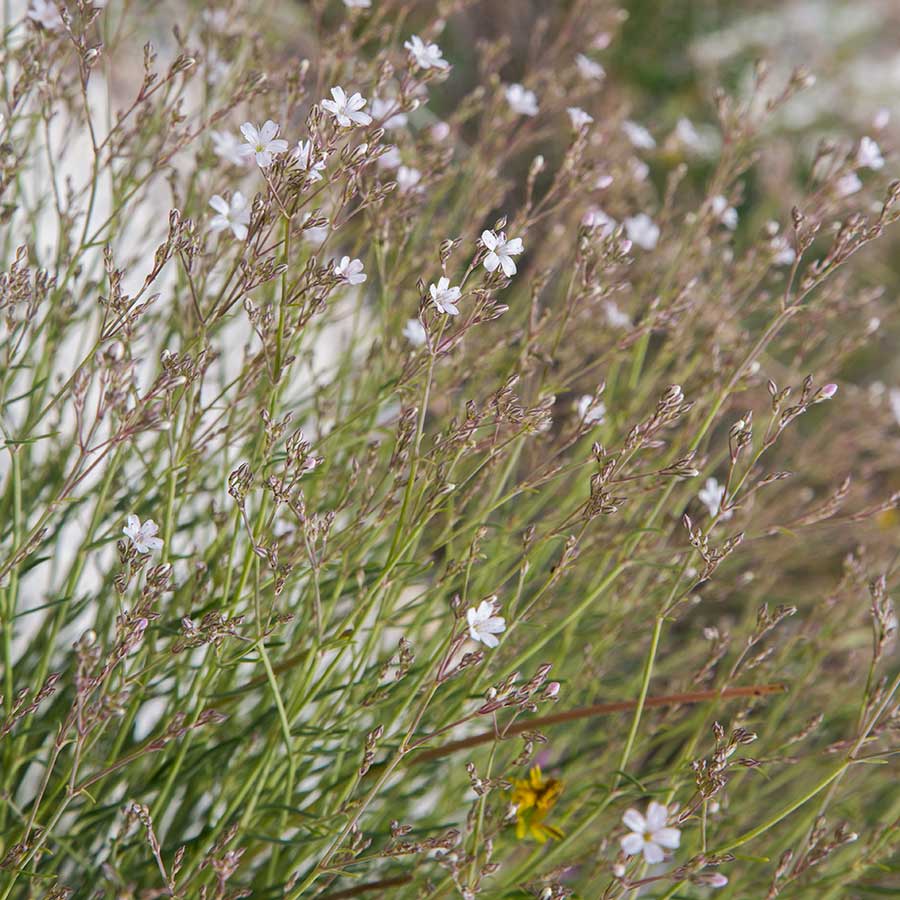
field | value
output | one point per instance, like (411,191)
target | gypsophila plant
(433,466)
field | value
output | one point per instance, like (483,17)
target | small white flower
(390,159)
(262,143)
(642,230)
(444,297)
(425,56)
(483,624)
(408,179)
(578,117)
(521,100)
(615,317)
(784,252)
(639,169)
(233,214)
(389,112)
(868,156)
(687,134)
(346,110)
(303,154)
(591,412)
(649,834)
(726,214)
(414,332)
(638,135)
(848,184)
(143,537)
(589,69)
(358,4)
(596,219)
(46,14)
(228,146)
(894,401)
(350,270)
(439,132)
(711,496)
(501,252)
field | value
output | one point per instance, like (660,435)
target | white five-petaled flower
(228,146)
(425,56)
(346,110)
(414,332)
(350,270)
(233,214)
(590,411)
(868,156)
(638,135)
(45,13)
(483,624)
(589,69)
(142,536)
(642,230)
(894,400)
(521,100)
(408,179)
(578,117)
(388,113)
(262,143)
(649,834)
(303,153)
(501,252)
(726,214)
(711,496)
(444,297)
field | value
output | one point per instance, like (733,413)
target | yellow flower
(534,797)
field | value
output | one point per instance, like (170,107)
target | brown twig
(369,886)
(599,709)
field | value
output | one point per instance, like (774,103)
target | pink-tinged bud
(625,246)
(552,691)
(717,880)
(828,391)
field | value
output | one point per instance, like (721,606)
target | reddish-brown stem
(598,709)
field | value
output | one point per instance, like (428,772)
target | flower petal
(632,844)
(653,853)
(657,816)
(667,837)
(489,239)
(634,821)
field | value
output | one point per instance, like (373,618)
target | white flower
(350,270)
(233,214)
(578,117)
(521,100)
(589,411)
(595,219)
(848,184)
(444,297)
(314,234)
(439,132)
(408,179)
(304,156)
(642,230)
(388,110)
(46,14)
(726,214)
(894,400)
(501,252)
(784,252)
(142,536)
(615,317)
(347,110)
(483,624)
(425,56)
(262,143)
(638,135)
(390,159)
(587,68)
(358,4)
(639,169)
(228,146)
(711,496)
(868,156)
(649,834)
(414,332)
